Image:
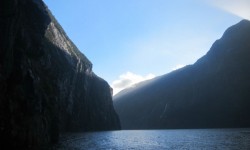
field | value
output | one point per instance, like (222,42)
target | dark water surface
(206,139)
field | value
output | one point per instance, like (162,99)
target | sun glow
(240,8)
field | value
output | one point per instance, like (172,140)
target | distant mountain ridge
(212,93)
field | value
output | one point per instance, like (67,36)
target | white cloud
(178,67)
(240,8)
(127,80)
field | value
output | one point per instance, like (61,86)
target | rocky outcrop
(47,86)
(212,93)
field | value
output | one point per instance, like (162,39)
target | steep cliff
(212,93)
(46,85)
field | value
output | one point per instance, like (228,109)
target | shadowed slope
(47,86)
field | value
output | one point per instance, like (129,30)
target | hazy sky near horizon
(132,40)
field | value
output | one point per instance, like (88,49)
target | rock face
(212,93)
(46,85)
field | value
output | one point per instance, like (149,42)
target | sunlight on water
(159,139)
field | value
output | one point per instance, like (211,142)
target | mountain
(214,92)
(47,86)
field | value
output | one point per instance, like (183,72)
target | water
(200,139)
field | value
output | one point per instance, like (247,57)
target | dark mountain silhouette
(47,86)
(212,93)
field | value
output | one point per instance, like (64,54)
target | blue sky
(132,40)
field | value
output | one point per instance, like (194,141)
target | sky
(129,41)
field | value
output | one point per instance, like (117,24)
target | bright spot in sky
(127,80)
(240,8)
(178,66)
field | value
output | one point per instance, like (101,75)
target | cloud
(127,80)
(240,8)
(178,67)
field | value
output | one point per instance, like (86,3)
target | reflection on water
(158,139)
